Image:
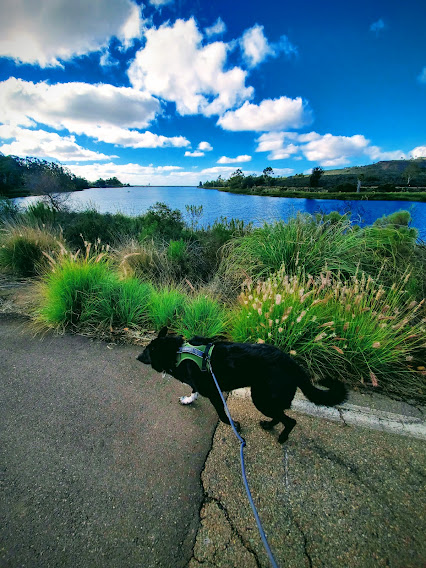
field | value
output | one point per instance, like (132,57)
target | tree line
(26,176)
(411,174)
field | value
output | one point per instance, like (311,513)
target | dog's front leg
(189,399)
(218,404)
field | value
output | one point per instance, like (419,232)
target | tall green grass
(23,248)
(203,316)
(166,306)
(355,328)
(82,292)
(383,250)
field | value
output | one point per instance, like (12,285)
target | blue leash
(243,470)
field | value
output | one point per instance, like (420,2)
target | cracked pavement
(334,495)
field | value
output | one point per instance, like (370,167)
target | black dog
(272,375)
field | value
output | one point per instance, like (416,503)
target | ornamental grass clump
(166,305)
(204,316)
(82,292)
(354,329)
(22,248)
(383,250)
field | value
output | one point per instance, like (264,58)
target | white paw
(188,399)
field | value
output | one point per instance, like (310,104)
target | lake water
(254,208)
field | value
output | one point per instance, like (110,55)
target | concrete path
(99,464)
(334,496)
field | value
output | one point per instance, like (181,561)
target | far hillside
(391,175)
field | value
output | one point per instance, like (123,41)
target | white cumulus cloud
(44,144)
(217,28)
(255,46)
(176,66)
(74,106)
(205,146)
(418,152)
(238,159)
(47,31)
(195,154)
(133,139)
(270,114)
(329,150)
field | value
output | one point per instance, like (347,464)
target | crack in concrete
(211,499)
(342,417)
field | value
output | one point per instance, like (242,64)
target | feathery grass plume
(203,316)
(352,328)
(22,248)
(166,306)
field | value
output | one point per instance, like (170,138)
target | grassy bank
(340,298)
(328,194)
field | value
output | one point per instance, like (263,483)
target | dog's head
(161,352)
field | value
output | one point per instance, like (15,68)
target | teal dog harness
(200,354)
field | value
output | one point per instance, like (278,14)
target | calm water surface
(254,208)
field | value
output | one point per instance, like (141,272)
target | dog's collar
(200,354)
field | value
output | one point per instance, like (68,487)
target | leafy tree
(315,176)
(162,221)
(236,179)
(411,171)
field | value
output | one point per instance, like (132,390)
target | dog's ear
(163,332)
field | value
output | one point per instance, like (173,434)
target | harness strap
(200,355)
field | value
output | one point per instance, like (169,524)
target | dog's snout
(144,357)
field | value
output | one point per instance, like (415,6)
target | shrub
(92,226)
(345,187)
(23,248)
(300,240)
(354,329)
(203,316)
(162,222)
(39,214)
(8,209)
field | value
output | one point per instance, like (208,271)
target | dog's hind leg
(289,424)
(269,424)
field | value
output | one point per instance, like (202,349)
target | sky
(174,92)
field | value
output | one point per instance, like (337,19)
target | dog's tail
(337,392)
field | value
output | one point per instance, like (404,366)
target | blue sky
(173,92)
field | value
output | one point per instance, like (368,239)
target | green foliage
(120,303)
(91,226)
(315,176)
(8,209)
(162,222)
(69,291)
(203,316)
(166,306)
(40,213)
(85,294)
(353,329)
(301,240)
(22,249)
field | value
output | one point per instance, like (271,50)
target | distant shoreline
(341,196)
(419,196)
